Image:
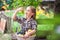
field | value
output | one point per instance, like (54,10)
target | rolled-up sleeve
(19,19)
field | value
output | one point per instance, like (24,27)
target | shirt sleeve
(34,25)
(19,19)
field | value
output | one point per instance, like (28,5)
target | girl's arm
(15,13)
(30,32)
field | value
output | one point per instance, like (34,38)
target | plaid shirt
(25,25)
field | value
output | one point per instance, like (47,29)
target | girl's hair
(33,11)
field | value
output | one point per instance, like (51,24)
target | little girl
(27,23)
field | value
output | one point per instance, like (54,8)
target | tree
(25,3)
(17,3)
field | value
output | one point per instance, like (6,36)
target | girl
(27,23)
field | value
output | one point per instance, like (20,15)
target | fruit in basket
(28,31)
(20,35)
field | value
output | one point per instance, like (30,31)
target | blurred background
(47,17)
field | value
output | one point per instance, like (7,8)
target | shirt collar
(30,19)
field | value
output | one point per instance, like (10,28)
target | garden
(48,21)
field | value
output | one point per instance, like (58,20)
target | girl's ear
(32,13)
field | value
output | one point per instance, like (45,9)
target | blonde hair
(33,11)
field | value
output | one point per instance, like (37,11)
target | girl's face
(28,12)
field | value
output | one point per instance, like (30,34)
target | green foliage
(53,36)
(17,3)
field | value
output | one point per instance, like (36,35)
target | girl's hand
(26,36)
